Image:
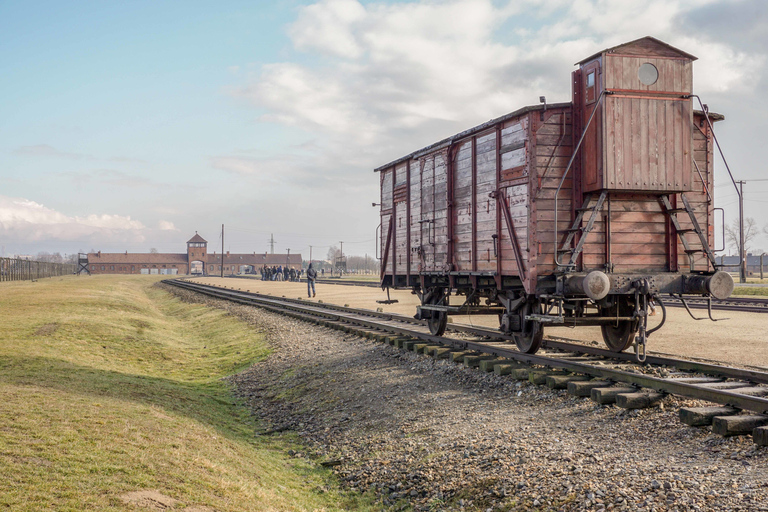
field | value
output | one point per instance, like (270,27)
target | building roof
(197,238)
(127,258)
(255,259)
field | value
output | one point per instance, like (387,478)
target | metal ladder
(576,227)
(672,214)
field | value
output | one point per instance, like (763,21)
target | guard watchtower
(82,264)
(197,251)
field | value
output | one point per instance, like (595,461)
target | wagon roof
(479,128)
(644,44)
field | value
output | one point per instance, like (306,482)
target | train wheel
(437,323)
(439,320)
(618,336)
(530,340)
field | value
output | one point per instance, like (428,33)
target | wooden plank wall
(515,176)
(638,225)
(703,154)
(477,256)
(647,144)
(485,146)
(462,207)
(385,180)
(431,178)
(647,127)
(675,74)
(554,146)
(401,218)
(415,215)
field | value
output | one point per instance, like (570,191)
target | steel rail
(500,348)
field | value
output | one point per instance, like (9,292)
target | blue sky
(130,125)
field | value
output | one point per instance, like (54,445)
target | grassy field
(745,290)
(111,398)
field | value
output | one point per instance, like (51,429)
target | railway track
(607,377)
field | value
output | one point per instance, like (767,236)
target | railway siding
(426,432)
(662,376)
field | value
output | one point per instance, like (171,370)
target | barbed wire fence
(16,269)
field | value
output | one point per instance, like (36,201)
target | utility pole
(742,252)
(288,258)
(222,250)
(342,257)
(310,254)
(272,243)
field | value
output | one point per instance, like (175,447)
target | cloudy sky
(131,125)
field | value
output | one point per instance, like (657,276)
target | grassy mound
(112,399)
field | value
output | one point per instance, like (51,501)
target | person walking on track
(311,276)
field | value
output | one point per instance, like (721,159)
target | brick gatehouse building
(196,261)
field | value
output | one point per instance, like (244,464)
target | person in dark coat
(311,276)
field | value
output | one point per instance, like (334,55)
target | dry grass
(109,385)
(740,291)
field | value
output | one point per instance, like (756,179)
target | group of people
(280,273)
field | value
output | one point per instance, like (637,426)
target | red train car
(579,213)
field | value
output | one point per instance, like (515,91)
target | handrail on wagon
(705,109)
(568,167)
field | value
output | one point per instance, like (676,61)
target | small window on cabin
(590,87)
(648,74)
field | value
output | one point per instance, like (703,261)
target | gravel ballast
(430,434)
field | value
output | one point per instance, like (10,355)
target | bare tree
(732,234)
(333,254)
(47,257)
(362,263)
(153,251)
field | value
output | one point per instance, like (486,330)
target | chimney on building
(99,254)
(227,253)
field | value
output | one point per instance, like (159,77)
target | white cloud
(387,74)
(165,225)
(375,81)
(22,221)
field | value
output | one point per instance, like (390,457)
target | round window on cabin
(648,74)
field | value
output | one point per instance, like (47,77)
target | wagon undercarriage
(619,304)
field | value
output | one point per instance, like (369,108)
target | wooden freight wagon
(578,213)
